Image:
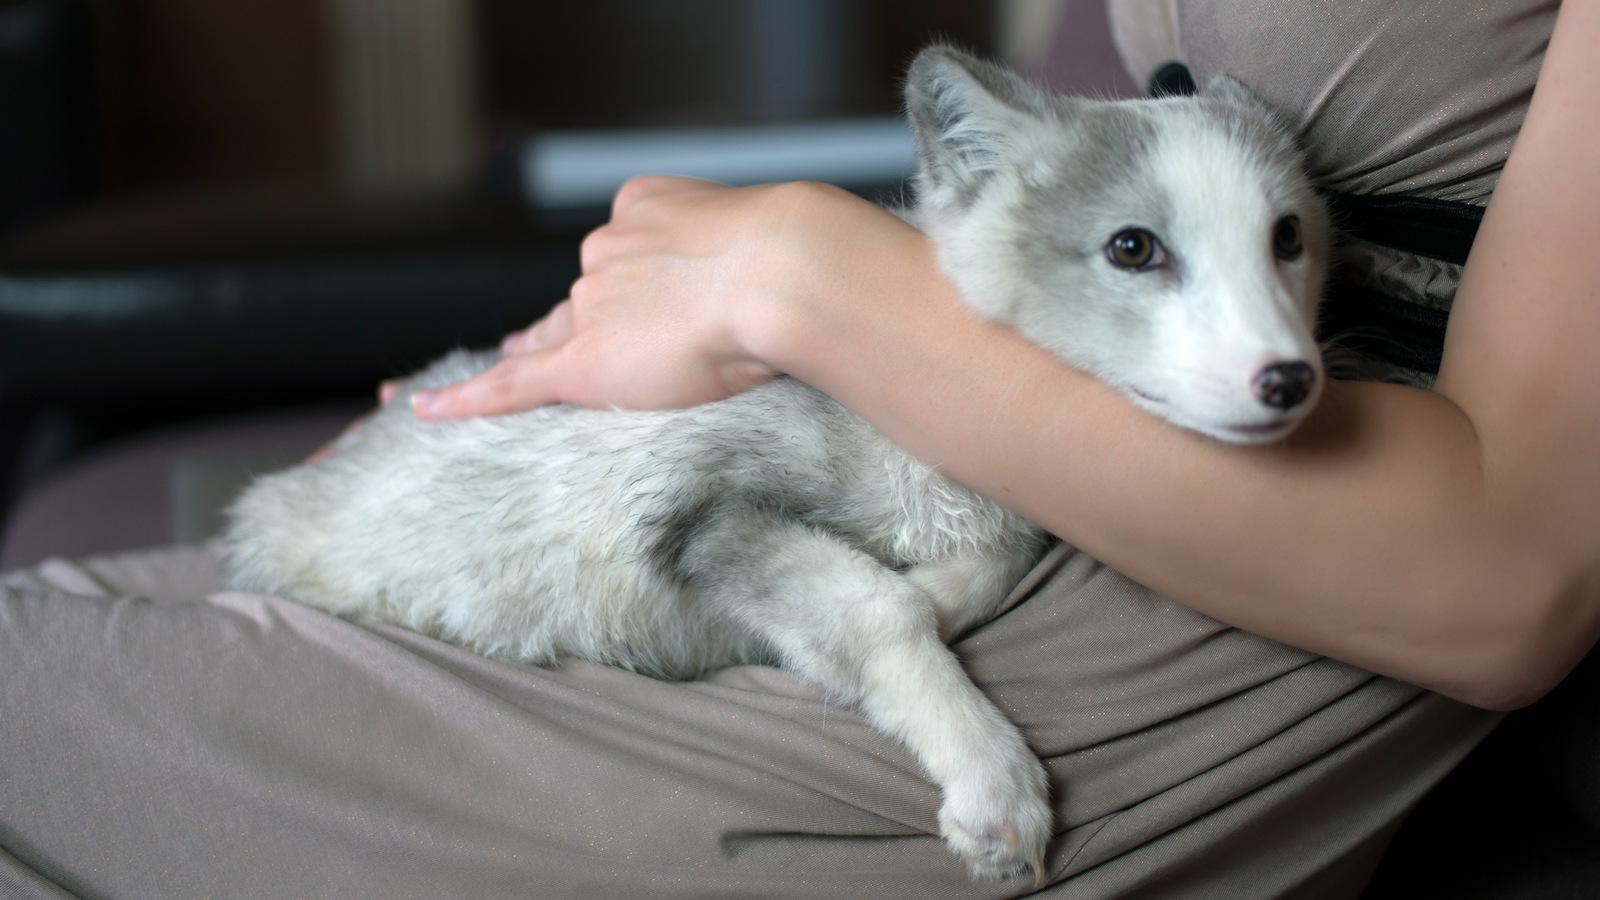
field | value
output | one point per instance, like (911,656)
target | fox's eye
(1286,240)
(1134,248)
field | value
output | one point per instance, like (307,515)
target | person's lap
(160,738)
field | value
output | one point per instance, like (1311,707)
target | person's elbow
(1549,625)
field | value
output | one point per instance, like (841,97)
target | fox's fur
(777,526)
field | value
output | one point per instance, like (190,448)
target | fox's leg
(870,636)
(967,588)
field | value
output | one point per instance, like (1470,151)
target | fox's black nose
(1285,385)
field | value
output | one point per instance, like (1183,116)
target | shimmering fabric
(1391,97)
(158,739)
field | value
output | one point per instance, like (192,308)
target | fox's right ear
(1230,90)
(965,115)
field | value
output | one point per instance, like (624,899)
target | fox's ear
(1234,92)
(965,115)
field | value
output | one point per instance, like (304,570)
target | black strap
(1403,333)
(1400,332)
(1438,229)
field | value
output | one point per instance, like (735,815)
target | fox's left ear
(965,115)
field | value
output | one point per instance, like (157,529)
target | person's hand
(646,325)
(658,318)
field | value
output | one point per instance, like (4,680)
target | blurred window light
(585,168)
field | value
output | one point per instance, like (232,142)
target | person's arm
(1449,538)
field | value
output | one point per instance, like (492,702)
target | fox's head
(1174,248)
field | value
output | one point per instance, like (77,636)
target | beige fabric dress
(159,739)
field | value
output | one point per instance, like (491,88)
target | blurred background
(222,222)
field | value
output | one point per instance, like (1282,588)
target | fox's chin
(1265,430)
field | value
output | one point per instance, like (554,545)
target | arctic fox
(1173,247)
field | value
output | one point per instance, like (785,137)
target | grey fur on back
(776,526)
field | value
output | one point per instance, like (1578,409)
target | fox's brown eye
(1286,240)
(1133,248)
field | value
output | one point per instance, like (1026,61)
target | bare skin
(1450,538)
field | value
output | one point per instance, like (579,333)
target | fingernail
(423,401)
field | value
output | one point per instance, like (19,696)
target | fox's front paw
(999,822)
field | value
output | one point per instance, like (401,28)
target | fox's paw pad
(998,836)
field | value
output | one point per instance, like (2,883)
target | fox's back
(468,529)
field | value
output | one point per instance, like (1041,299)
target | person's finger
(644,187)
(514,384)
(388,389)
(550,331)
